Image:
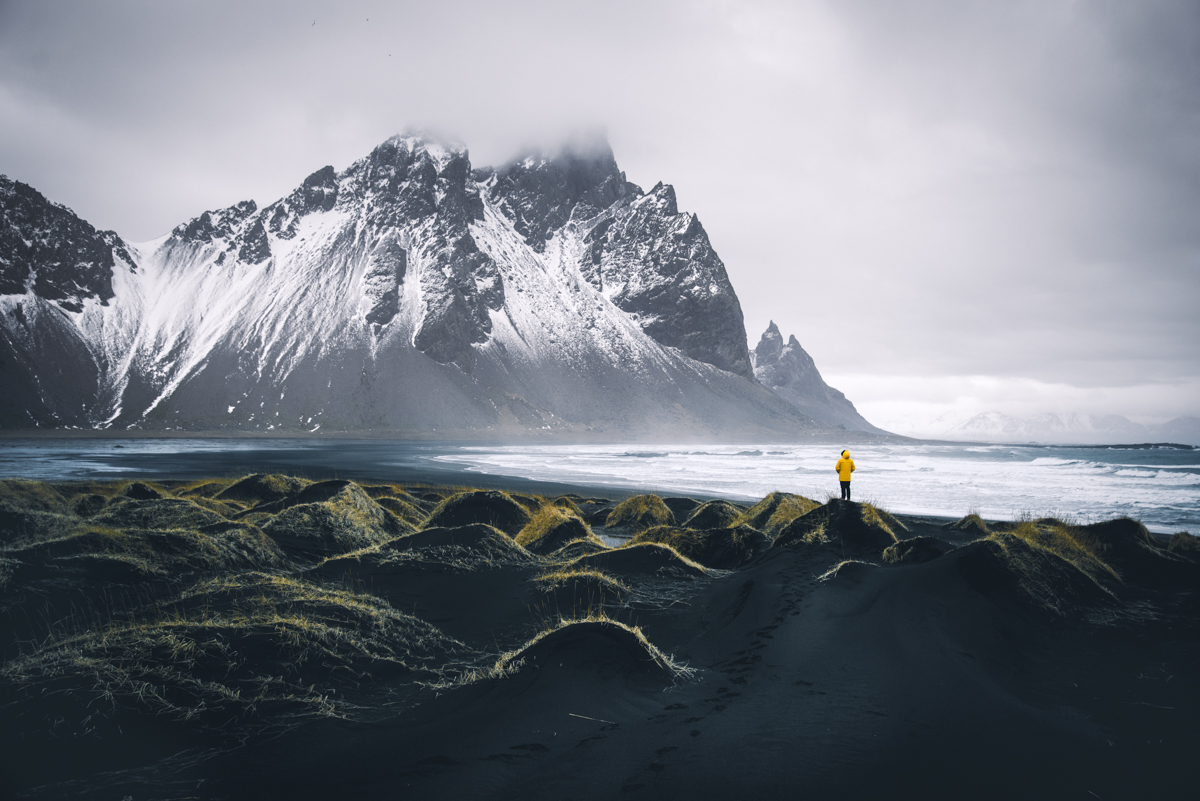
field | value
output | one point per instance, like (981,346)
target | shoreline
(468,438)
(944,481)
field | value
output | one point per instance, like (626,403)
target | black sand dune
(641,559)
(722,548)
(275,638)
(556,525)
(484,506)
(714,514)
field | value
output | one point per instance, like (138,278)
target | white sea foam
(951,481)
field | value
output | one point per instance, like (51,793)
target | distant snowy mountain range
(1077,429)
(411,294)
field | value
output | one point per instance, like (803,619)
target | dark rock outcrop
(49,251)
(639,250)
(318,193)
(54,265)
(658,265)
(410,184)
(542,194)
(211,226)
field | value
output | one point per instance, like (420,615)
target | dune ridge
(441,639)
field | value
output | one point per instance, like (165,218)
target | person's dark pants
(845,490)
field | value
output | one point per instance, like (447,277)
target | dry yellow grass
(543,521)
(512,661)
(972,524)
(774,512)
(490,507)
(651,550)
(553,526)
(641,511)
(1064,541)
(680,539)
(33,496)
(1184,543)
(567,503)
(203,654)
(880,518)
(600,586)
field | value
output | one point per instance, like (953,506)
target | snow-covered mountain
(788,371)
(1050,428)
(408,294)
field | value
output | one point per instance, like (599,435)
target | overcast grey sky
(952,205)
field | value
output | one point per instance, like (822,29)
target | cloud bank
(947,202)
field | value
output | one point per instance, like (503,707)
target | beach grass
(640,512)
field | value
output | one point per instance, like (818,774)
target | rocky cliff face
(52,265)
(408,293)
(638,251)
(45,249)
(791,373)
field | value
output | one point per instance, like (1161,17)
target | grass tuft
(31,496)
(971,524)
(724,548)
(714,514)
(640,512)
(552,527)
(772,514)
(496,509)
(875,517)
(596,624)
(1184,544)
(227,649)
(1064,541)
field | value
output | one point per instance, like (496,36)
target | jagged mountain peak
(435,145)
(420,155)
(541,192)
(663,195)
(769,347)
(46,249)
(215,224)
(788,371)
(326,176)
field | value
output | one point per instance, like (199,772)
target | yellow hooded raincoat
(845,466)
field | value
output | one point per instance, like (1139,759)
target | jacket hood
(846,454)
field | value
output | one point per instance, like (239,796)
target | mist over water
(1160,487)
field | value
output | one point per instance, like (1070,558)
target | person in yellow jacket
(845,467)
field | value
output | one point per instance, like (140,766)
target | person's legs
(845,490)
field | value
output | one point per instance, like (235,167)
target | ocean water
(1159,486)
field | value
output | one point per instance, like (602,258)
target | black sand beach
(271,637)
